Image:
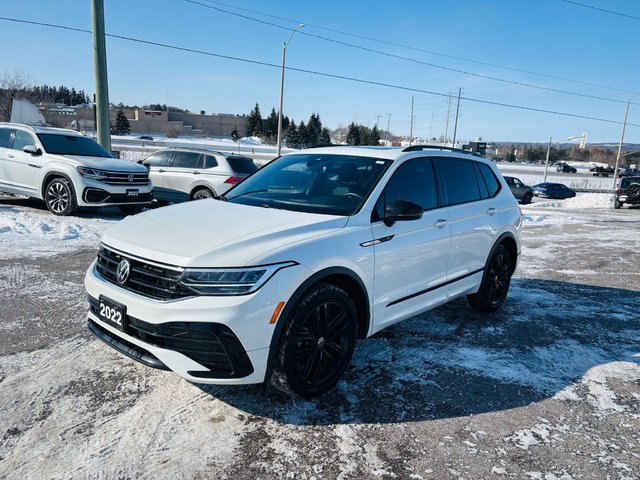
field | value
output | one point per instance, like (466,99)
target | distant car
(628,172)
(601,171)
(565,168)
(553,190)
(193,174)
(145,137)
(628,192)
(522,192)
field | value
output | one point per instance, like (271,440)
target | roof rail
(416,148)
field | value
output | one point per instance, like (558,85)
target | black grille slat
(146,279)
(117,178)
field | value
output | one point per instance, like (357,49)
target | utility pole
(411,127)
(378,120)
(546,163)
(455,129)
(100,74)
(388,125)
(431,128)
(624,126)
(446,128)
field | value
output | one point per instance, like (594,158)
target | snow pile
(251,140)
(32,233)
(581,200)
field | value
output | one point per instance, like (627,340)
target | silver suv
(193,174)
(67,170)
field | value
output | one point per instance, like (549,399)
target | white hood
(212,233)
(104,163)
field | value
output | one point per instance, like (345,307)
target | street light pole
(284,51)
(546,163)
(624,126)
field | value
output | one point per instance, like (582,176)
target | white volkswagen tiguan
(68,170)
(313,251)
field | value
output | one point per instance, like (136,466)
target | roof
(390,153)
(203,150)
(41,129)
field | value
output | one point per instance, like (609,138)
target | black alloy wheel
(634,190)
(317,343)
(59,197)
(495,282)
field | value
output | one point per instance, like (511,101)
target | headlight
(229,281)
(92,173)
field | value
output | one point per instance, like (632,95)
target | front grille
(212,345)
(125,178)
(94,195)
(148,279)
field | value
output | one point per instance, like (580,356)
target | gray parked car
(522,192)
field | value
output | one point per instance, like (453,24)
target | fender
(55,173)
(295,298)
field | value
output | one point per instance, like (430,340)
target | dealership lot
(549,387)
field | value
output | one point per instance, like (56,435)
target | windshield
(625,182)
(71,145)
(314,183)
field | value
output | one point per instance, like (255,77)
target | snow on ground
(581,200)
(26,232)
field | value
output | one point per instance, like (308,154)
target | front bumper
(205,339)
(92,193)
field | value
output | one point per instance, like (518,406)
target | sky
(565,53)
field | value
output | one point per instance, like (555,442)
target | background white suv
(276,280)
(67,170)
(180,174)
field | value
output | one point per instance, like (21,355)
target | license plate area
(133,192)
(112,313)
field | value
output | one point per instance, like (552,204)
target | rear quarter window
(459,180)
(242,165)
(490,180)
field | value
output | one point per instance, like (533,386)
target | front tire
(317,342)
(495,282)
(59,197)
(526,200)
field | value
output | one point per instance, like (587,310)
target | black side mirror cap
(401,210)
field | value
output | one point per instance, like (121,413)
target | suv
(277,279)
(628,192)
(193,174)
(67,170)
(522,192)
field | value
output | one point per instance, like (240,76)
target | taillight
(618,192)
(233,180)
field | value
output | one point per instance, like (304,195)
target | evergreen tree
(271,125)
(235,135)
(122,126)
(254,122)
(314,128)
(325,138)
(374,136)
(353,134)
(291,135)
(303,136)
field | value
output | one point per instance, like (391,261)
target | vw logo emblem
(122,272)
(130,177)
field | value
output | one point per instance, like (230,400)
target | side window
(210,161)
(459,179)
(414,181)
(491,181)
(186,160)
(6,137)
(22,139)
(159,159)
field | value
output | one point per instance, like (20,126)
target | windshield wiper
(248,193)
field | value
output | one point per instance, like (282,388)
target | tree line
(538,154)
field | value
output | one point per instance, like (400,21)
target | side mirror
(400,210)
(32,149)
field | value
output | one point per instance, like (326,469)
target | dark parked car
(628,192)
(601,171)
(522,192)
(565,168)
(553,190)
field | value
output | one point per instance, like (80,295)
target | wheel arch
(51,175)
(201,186)
(340,277)
(509,241)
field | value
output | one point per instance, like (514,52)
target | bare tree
(12,85)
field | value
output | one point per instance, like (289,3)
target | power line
(409,59)
(601,9)
(417,49)
(318,73)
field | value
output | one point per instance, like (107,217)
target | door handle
(160,171)
(440,223)
(10,155)
(491,211)
(196,172)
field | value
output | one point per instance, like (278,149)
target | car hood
(105,163)
(212,233)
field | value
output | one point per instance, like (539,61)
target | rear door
(410,256)
(158,164)
(6,156)
(473,215)
(25,170)
(181,176)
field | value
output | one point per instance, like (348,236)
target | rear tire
(202,194)
(317,342)
(59,197)
(495,282)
